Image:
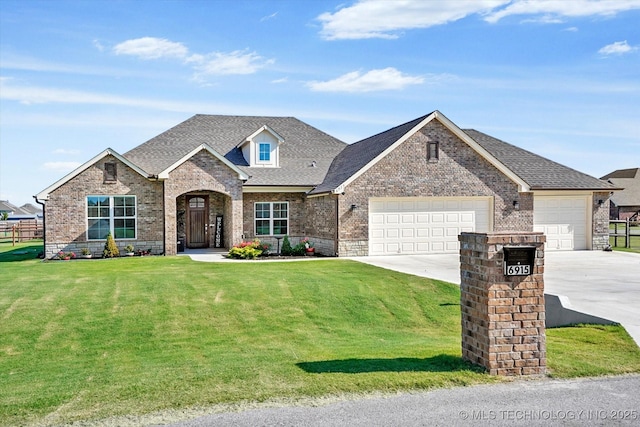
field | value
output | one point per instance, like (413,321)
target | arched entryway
(201,219)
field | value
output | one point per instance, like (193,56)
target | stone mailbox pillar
(502,301)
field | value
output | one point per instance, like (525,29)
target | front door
(198,222)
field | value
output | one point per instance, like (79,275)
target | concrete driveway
(603,284)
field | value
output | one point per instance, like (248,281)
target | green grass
(88,339)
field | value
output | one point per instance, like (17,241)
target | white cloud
(98,45)
(61,166)
(387,19)
(617,48)
(151,48)
(564,8)
(374,80)
(383,19)
(214,63)
(237,62)
(43,95)
(266,18)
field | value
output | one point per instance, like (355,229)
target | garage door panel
(428,225)
(437,218)
(392,233)
(377,233)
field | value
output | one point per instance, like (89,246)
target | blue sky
(559,78)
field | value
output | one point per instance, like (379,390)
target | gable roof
(44,194)
(629,180)
(528,170)
(6,206)
(303,145)
(538,172)
(357,158)
(259,131)
(165,173)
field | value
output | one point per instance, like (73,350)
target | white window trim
(111,216)
(271,219)
(269,160)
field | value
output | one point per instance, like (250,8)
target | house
(15,213)
(625,204)
(213,181)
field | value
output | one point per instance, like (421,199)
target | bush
(286,249)
(299,249)
(248,250)
(110,248)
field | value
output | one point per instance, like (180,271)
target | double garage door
(432,225)
(424,225)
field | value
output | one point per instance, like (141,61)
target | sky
(558,78)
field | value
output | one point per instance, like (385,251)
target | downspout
(44,227)
(164,217)
(335,244)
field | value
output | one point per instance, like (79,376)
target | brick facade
(203,173)
(600,220)
(406,172)
(503,317)
(66,210)
(328,220)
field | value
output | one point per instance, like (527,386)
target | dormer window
(262,148)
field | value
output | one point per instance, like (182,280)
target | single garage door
(563,219)
(424,225)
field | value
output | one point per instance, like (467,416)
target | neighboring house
(26,211)
(7,208)
(625,204)
(213,181)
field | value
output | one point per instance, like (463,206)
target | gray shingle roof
(538,172)
(303,144)
(629,179)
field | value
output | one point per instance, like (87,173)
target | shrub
(286,248)
(110,248)
(299,249)
(248,250)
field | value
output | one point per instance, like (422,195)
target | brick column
(503,316)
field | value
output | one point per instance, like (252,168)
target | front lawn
(88,339)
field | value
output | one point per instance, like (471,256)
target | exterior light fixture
(600,202)
(516,205)
(354,207)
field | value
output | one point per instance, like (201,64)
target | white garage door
(424,225)
(563,219)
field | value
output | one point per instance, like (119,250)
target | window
(111,214)
(110,172)
(272,219)
(264,152)
(432,151)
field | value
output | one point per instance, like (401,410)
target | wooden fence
(620,230)
(20,231)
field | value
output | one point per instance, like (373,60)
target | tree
(110,248)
